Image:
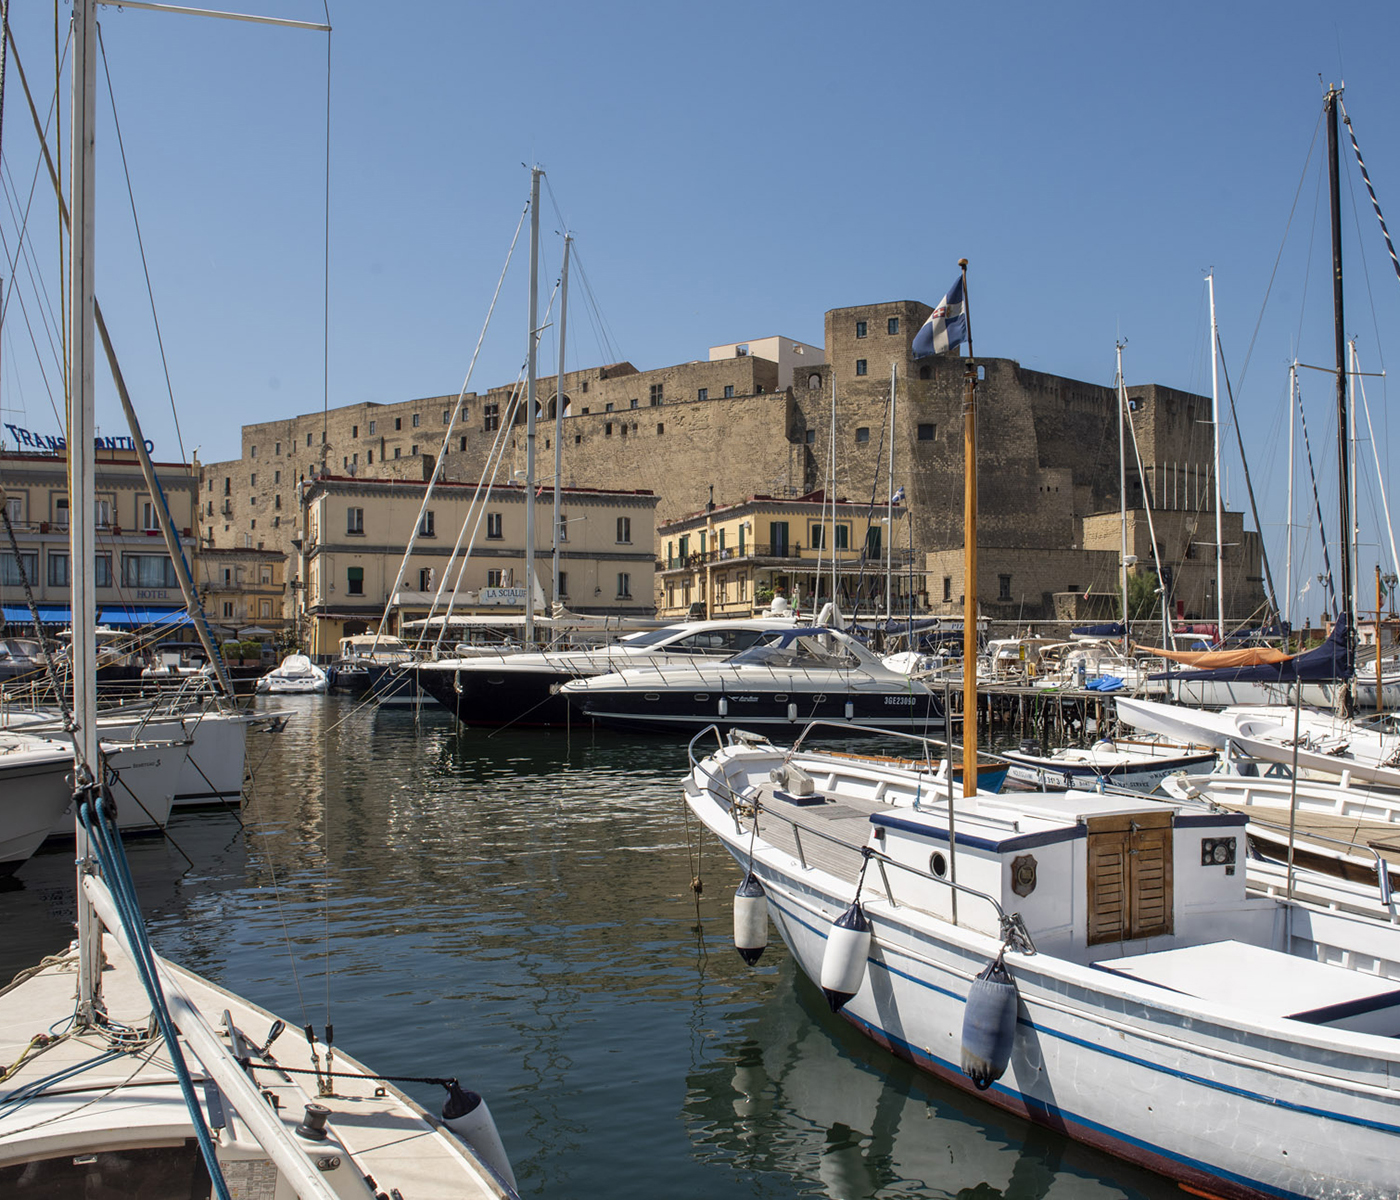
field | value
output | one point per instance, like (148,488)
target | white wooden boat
(1244,1046)
(1137,766)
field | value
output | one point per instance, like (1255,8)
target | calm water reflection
(516,909)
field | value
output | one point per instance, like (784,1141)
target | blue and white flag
(898,497)
(946,326)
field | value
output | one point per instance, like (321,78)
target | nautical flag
(946,326)
(898,497)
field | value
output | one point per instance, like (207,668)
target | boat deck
(133,1099)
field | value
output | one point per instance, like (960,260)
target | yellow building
(242,589)
(354,531)
(731,561)
(135,578)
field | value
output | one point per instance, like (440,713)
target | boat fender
(843,963)
(466,1114)
(989,1025)
(724,706)
(750,919)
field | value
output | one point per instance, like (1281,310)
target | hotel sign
(26,439)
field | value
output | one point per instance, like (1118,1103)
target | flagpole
(969,552)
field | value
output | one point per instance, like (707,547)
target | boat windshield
(781,649)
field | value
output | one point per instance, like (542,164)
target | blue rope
(112,858)
(18,1098)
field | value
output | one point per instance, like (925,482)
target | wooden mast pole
(969,554)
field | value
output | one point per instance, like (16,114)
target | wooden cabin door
(1130,876)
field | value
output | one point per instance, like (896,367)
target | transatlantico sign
(28,440)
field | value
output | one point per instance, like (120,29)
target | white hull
(109,1114)
(1263,1067)
(1155,1067)
(34,795)
(1326,747)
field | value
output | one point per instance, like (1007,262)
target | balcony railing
(790,553)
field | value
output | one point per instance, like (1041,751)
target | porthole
(938,864)
(701,697)
(652,697)
(780,698)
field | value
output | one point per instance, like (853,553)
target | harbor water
(516,909)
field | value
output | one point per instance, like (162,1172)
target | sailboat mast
(1288,542)
(559,414)
(530,364)
(969,556)
(889,505)
(1215,431)
(82,477)
(1123,496)
(1334,190)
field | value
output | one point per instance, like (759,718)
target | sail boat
(152,1081)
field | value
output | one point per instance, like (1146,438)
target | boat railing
(1012,927)
(1378,850)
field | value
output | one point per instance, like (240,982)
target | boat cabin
(1088,873)
(1147,889)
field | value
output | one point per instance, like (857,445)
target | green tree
(1142,595)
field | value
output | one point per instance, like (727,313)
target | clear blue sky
(730,171)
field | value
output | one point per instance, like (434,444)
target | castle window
(372,424)
(814,382)
(660,428)
(926,432)
(462,443)
(607,429)
(860,329)
(860,366)
(1003,587)
(892,325)
(633,404)
(398,424)
(655,395)
(926,372)
(415,420)
(703,394)
(354,431)
(863,433)
(948,587)
(729,391)
(811,437)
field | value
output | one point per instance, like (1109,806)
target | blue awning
(131,617)
(49,614)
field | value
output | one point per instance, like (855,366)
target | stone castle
(757,418)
